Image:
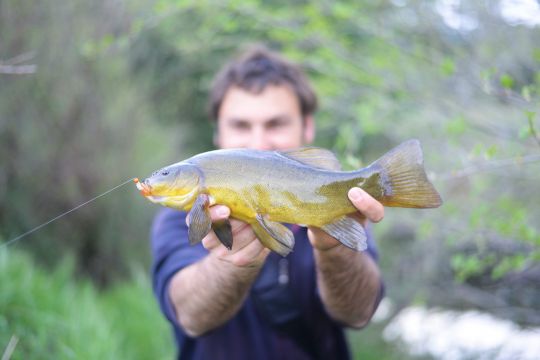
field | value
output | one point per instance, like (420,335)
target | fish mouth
(145,189)
(175,201)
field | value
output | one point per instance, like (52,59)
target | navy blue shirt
(282,317)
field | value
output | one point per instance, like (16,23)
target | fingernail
(223,211)
(355,194)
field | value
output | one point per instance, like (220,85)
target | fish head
(174,186)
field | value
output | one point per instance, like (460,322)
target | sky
(514,12)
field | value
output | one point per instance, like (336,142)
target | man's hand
(227,276)
(349,281)
(368,209)
(247,250)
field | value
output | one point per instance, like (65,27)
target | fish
(299,186)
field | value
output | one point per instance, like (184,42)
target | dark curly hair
(253,71)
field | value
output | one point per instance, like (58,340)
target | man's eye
(241,126)
(277,124)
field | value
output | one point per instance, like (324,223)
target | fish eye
(165,172)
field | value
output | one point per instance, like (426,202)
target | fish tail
(404,180)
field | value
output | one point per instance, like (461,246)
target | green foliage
(501,238)
(448,67)
(457,126)
(531,130)
(507,81)
(468,266)
(121,90)
(55,316)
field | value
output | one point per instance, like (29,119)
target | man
(249,303)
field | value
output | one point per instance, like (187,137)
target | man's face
(270,120)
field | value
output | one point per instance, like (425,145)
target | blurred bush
(73,129)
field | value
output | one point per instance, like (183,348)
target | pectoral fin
(199,220)
(348,232)
(273,235)
(223,232)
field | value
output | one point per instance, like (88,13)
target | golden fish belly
(322,206)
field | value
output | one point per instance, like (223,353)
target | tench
(301,186)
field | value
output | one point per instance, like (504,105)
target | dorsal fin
(313,156)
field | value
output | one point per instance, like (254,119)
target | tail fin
(404,178)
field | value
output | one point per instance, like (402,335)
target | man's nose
(260,139)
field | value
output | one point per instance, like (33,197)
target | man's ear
(309,129)
(215,138)
(215,135)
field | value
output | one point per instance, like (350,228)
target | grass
(55,316)
(368,344)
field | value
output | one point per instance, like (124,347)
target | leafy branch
(10,348)
(532,130)
(491,166)
(12,67)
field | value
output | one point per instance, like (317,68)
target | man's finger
(217,212)
(238,226)
(248,253)
(366,204)
(243,235)
(210,241)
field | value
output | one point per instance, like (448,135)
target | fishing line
(62,215)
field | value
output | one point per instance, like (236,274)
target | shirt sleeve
(171,252)
(372,251)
